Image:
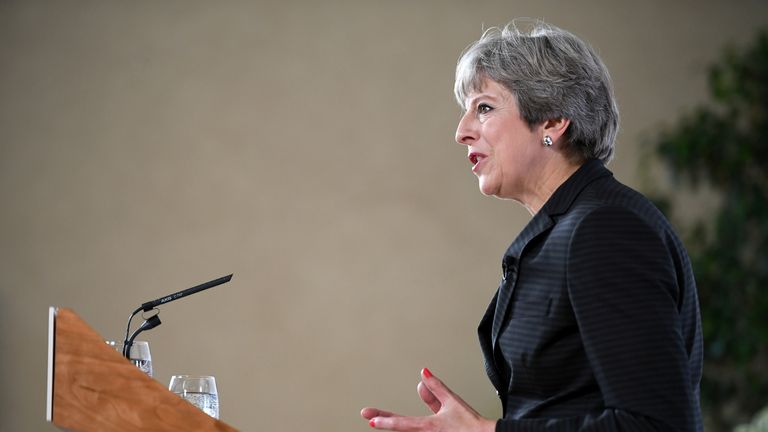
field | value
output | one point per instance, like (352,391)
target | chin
(488,189)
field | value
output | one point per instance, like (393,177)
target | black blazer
(596,323)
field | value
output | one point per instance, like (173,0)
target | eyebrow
(480,96)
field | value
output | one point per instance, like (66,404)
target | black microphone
(183,293)
(154,320)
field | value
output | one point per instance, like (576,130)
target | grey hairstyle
(552,74)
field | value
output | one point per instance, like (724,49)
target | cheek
(506,151)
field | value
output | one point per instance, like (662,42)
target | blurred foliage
(759,423)
(722,146)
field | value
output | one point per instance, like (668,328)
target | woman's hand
(451,413)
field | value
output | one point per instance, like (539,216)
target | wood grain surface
(96,389)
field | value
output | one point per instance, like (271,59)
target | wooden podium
(91,387)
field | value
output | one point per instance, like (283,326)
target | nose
(466,131)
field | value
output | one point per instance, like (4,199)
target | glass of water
(200,391)
(139,354)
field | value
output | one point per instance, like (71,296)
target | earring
(547,140)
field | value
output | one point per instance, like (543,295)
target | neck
(555,172)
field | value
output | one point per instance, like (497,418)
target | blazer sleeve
(623,288)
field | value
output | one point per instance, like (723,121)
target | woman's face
(505,153)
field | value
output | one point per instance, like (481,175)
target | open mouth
(475,158)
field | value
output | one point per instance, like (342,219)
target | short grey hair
(552,74)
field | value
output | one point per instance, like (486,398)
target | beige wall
(146,146)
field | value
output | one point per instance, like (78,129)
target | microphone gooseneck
(148,324)
(154,320)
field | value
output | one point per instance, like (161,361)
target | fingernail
(426,373)
(372,423)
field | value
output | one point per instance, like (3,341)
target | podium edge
(52,310)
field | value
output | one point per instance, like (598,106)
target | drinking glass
(200,391)
(139,354)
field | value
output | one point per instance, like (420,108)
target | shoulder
(617,234)
(612,220)
(619,246)
(613,249)
(614,231)
(609,205)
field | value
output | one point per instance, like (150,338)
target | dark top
(596,325)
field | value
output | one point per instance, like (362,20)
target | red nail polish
(372,423)
(426,373)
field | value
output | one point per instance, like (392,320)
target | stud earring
(547,140)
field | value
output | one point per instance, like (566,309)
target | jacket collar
(559,203)
(566,194)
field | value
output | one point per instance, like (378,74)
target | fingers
(434,394)
(402,424)
(380,419)
(428,398)
(369,413)
(439,390)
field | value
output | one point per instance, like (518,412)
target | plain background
(305,146)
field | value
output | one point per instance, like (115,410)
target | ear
(555,129)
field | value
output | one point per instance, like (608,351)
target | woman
(595,325)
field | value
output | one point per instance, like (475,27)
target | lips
(476,159)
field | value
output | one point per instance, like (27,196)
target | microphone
(183,293)
(154,320)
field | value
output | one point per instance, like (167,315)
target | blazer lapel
(540,223)
(484,334)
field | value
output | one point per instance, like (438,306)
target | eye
(483,108)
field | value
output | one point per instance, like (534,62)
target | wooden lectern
(91,387)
